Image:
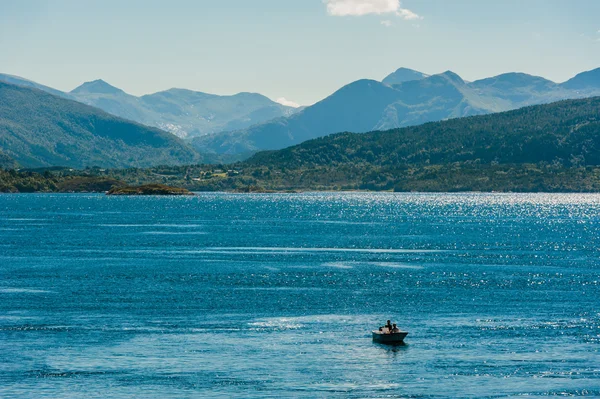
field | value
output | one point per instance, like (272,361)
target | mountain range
(408,98)
(39,129)
(185,113)
(55,128)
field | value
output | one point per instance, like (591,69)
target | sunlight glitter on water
(279,293)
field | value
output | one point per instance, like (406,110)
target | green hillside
(6,162)
(39,129)
(554,147)
(565,133)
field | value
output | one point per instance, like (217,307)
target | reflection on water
(393,349)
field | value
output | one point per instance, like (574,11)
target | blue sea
(274,296)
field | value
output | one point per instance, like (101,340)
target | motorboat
(385,336)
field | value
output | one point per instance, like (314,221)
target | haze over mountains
(368,105)
(185,113)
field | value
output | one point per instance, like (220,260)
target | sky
(298,51)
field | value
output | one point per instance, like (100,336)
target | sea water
(275,295)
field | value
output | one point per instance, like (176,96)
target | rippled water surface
(275,295)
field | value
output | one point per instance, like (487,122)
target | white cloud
(287,103)
(342,8)
(407,14)
(387,23)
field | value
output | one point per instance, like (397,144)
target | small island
(149,189)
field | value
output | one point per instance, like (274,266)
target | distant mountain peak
(98,86)
(452,76)
(402,75)
(512,80)
(584,80)
(408,70)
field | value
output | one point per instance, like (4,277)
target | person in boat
(388,325)
(395,328)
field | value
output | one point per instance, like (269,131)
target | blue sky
(302,50)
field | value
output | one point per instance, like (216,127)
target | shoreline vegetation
(177,180)
(148,189)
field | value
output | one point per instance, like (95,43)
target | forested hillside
(565,133)
(40,129)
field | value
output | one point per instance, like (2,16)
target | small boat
(385,336)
